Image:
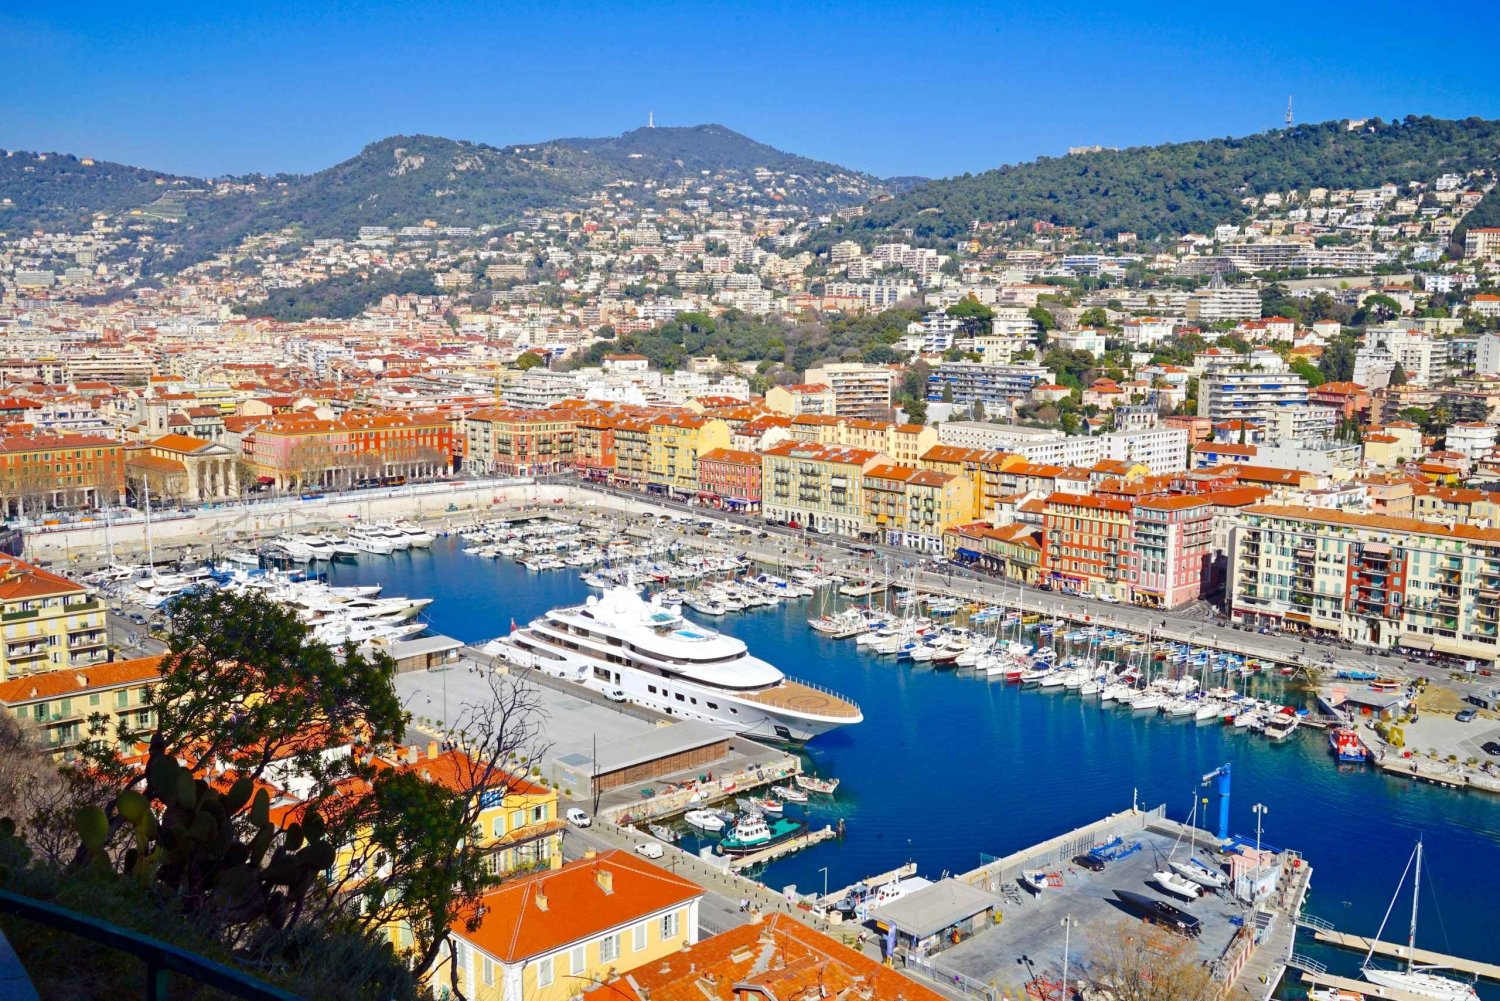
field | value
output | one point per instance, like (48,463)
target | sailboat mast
(1416,894)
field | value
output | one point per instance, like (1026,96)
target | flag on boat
(513,625)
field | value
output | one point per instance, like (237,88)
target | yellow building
(58,704)
(914,507)
(820,487)
(550,936)
(47,622)
(904,443)
(983,468)
(674,442)
(632,452)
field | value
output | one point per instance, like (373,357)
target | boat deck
(798,697)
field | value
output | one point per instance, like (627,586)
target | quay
(1359,988)
(804,840)
(872,883)
(1426,957)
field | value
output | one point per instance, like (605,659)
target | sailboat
(1415,979)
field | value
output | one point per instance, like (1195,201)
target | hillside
(61,191)
(406,180)
(1183,187)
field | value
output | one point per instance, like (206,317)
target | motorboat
(1033,881)
(814,784)
(712,821)
(1177,885)
(1346,746)
(368,542)
(1280,725)
(1159,912)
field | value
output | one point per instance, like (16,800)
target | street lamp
(824,871)
(1068,924)
(1260,810)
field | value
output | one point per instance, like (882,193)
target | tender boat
(789,794)
(1177,885)
(712,821)
(1198,872)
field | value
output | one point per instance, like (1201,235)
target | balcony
(25,613)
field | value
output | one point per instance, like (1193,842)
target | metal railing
(161,959)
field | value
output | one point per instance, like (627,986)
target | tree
(1398,375)
(1309,371)
(915,410)
(974,316)
(1042,317)
(528,360)
(1378,308)
(947,392)
(1094,317)
(1337,363)
(1137,963)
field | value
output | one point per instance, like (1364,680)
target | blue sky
(892,88)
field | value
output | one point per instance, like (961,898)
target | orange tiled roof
(56,684)
(515,926)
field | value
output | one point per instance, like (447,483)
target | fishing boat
(664,833)
(1346,746)
(789,794)
(763,805)
(1415,979)
(814,784)
(1177,885)
(1280,725)
(752,834)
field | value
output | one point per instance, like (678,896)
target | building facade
(47,622)
(819,487)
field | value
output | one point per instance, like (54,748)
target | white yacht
(664,662)
(368,542)
(416,536)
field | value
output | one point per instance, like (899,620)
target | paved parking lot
(1032,930)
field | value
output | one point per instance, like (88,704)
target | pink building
(729,477)
(1171,556)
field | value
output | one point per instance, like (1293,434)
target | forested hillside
(1183,187)
(60,191)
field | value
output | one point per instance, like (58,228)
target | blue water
(947,768)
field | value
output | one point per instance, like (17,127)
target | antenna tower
(1289,111)
(650,119)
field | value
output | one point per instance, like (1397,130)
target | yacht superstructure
(660,660)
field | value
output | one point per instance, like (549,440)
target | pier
(804,840)
(1359,987)
(872,882)
(1425,957)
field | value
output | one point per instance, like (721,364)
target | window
(544,972)
(497,826)
(122,698)
(94,699)
(517,819)
(489,971)
(609,948)
(578,959)
(669,926)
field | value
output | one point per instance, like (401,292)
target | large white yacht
(660,660)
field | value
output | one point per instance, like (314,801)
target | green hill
(1182,187)
(406,180)
(58,191)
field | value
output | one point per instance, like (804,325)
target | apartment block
(969,382)
(1232,395)
(514,442)
(1369,578)
(59,703)
(858,390)
(730,478)
(820,487)
(914,507)
(675,441)
(47,622)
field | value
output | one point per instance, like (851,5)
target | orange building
(358,448)
(42,472)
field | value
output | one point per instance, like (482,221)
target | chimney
(432,749)
(541,900)
(413,755)
(605,879)
(591,853)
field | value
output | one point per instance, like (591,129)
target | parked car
(1109,599)
(1088,862)
(578,818)
(1491,747)
(650,849)
(615,695)
(1466,715)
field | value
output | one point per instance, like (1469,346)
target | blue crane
(1222,774)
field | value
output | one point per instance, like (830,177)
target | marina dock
(872,882)
(1426,957)
(804,840)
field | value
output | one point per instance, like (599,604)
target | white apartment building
(859,390)
(1482,244)
(1487,355)
(541,387)
(1164,450)
(1045,446)
(1224,396)
(1475,439)
(1147,330)
(1219,302)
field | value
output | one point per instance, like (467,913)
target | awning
(265,479)
(966,554)
(1298,616)
(1417,642)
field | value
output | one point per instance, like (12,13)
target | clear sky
(929,88)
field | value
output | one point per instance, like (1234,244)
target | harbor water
(949,769)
